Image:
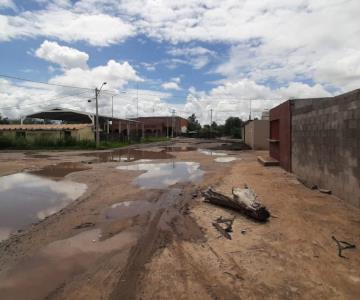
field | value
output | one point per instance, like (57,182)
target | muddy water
(60,170)
(59,261)
(179,148)
(163,175)
(128,209)
(212,153)
(26,198)
(225,159)
(129,155)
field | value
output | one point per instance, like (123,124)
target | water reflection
(212,153)
(179,148)
(60,170)
(162,175)
(129,155)
(128,209)
(225,159)
(26,198)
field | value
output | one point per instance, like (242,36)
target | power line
(39,102)
(214,97)
(42,82)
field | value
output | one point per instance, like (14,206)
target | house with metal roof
(33,132)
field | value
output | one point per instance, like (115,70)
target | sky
(192,56)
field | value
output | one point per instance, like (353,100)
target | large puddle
(211,152)
(37,276)
(179,148)
(225,159)
(128,209)
(26,198)
(129,155)
(60,170)
(163,175)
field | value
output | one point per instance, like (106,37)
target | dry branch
(242,200)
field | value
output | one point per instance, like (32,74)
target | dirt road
(142,231)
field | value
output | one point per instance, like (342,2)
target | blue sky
(190,56)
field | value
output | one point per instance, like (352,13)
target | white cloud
(149,66)
(233,99)
(96,29)
(198,57)
(7,4)
(171,85)
(116,74)
(66,57)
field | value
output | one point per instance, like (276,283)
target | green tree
(4,120)
(193,124)
(233,127)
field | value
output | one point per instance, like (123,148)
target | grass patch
(21,143)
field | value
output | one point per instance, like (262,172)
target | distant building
(256,134)
(108,126)
(265,115)
(318,139)
(163,126)
(32,132)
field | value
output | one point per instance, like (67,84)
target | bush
(22,143)
(236,133)
(6,142)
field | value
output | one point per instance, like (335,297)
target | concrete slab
(268,161)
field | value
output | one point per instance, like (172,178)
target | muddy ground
(119,241)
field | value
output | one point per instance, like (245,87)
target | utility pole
(97,119)
(97,136)
(167,127)
(112,113)
(112,107)
(137,100)
(173,123)
(250,109)
(211,111)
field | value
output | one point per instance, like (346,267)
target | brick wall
(280,134)
(326,143)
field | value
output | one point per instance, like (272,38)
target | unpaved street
(141,230)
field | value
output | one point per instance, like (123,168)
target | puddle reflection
(212,153)
(225,159)
(60,170)
(128,209)
(179,148)
(163,175)
(129,155)
(26,198)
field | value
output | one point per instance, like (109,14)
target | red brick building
(280,134)
(163,126)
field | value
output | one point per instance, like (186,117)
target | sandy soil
(172,250)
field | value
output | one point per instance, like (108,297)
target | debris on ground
(325,191)
(342,245)
(84,225)
(242,200)
(224,226)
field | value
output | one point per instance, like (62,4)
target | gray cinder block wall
(326,144)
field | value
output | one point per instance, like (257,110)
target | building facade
(163,126)
(318,140)
(32,132)
(256,134)
(280,134)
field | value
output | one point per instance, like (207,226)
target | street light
(97,92)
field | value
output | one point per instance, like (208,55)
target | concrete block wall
(257,134)
(326,144)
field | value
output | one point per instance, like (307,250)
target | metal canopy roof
(70,115)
